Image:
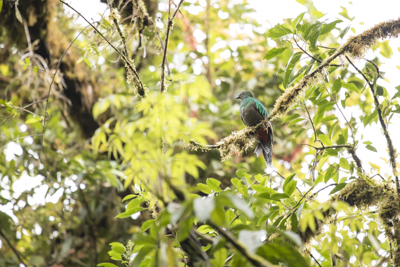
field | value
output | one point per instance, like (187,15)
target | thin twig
(392,151)
(315,259)
(379,176)
(9,117)
(297,204)
(327,147)
(352,152)
(313,126)
(16,252)
(166,59)
(121,35)
(169,26)
(311,56)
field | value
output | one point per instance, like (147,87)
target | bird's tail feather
(266,151)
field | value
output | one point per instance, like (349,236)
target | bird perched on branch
(252,112)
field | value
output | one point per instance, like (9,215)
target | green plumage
(252,112)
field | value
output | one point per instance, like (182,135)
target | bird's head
(244,95)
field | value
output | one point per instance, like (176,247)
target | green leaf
(129,213)
(241,205)
(314,38)
(344,164)
(290,66)
(33,120)
(87,62)
(219,258)
(337,188)
(100,107)
(115,256)
(283,252)
(130,196)
(300,209)
(297,20)
(288,180)
(299,132)
(372,148)
(240,173)
(146,225)
(343,33)
(329,173)
(288,118)
(279,196)
(345,14)
(213,184)
(373,165)
(118,248)
(135,203)
(144,252)
(290,188)
(274,52)
(294,77)
(294,222)
(18,14)
(279,31)
(312,30)
(379,90)
(296,121)
(328,118)
(107,264)
(325,139)
(370,118)
(337,84)
(351,87)
(367,179)
(204,188)
(218,216)
(1,4)
(385,49)
(326,28)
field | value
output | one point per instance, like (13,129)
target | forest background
(105,127)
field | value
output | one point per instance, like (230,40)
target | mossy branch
(121,35)
(361,194)
(128,62)
(355,47)
(392,150)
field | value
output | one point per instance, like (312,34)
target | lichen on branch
(355,47)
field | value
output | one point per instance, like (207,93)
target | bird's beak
(238,97)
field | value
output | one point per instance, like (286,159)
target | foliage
(109,181)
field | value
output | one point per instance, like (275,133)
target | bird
(252,112)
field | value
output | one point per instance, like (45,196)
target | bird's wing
(260,107)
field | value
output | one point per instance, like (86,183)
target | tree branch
(127,61)
(169,26)
(311,56)
(392,150)
(253,258)
(355,46)
(16,252)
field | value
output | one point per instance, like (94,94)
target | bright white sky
(368,12)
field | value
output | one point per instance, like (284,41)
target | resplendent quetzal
(252,112)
